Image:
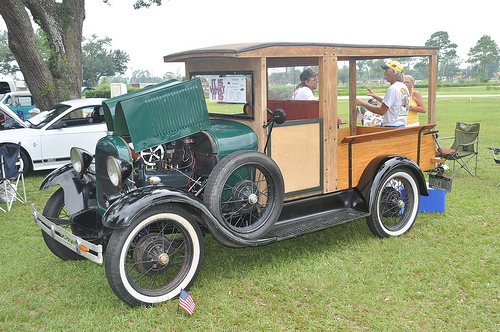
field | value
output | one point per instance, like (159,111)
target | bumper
(74,243)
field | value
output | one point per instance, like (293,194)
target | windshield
(40,120)
(7,122)
(227,93)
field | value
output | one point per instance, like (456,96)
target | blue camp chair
(496,152)
(11,175)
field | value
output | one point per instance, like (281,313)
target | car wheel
(55,210)
(245,192)
(154,258)
(395,205)
(25,162)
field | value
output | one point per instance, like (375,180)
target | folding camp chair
(11,175)
(496,152)
(464,148)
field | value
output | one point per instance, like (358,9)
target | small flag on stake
(186,302)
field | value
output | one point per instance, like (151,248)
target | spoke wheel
(395,208)
(245,193)
(159,254)
(55,210)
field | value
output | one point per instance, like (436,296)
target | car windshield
(40,120)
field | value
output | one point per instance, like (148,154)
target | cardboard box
(435,202)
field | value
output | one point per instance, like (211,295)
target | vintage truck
(224,154)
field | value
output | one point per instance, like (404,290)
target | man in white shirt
(308,83)
(396,102)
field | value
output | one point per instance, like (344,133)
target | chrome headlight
(118,170)
(80,159)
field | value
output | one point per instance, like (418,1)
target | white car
(47,138)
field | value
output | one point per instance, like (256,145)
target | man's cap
(306,74)
(393,65)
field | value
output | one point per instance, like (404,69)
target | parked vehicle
(20,102)
(47,137)
(241,166)
(7,86)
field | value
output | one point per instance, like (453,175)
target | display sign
(228,89)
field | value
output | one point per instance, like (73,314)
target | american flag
(186,302)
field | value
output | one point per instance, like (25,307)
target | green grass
(444,275)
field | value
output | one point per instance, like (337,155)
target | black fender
(79,191)
(376,170)
(122,212)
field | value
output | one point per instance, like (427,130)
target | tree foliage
(485,54)
(59,76)
(448,60)
(8,64)
(100,62)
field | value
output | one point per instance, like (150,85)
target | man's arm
(381,110)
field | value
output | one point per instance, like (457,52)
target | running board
(316,213)
(312,223)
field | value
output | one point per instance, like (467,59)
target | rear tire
(395,205)
(155,257)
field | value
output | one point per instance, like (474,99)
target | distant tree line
(482,62)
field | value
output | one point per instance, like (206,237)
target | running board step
(283,230)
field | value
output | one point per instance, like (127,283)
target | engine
(185,163)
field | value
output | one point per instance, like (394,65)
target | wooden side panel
(363,153)
(297,151)
(343,167)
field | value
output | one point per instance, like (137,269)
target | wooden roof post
(433,61)
(328,111)
(352,96)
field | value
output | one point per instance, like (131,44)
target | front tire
(157,255)
(395,205)
(55,209)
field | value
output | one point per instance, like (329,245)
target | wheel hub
(244,196)
(394,202)
(163,259)
(401,204)
(151,254)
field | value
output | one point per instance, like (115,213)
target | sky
(178,25)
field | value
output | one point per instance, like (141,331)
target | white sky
(149,34)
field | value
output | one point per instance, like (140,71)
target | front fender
(123,211)
(379,167)
(79,191)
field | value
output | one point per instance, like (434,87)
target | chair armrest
(467,144)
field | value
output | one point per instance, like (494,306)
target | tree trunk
(61,78)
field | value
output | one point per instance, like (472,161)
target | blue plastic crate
(435,202)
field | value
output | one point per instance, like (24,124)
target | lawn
(444,275)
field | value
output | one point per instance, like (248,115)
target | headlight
(80,159)
(118,170)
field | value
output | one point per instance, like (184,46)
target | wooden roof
(304,50)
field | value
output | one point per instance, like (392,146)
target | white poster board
(231,89)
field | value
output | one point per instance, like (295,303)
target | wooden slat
(387,133)
(328,111)
(352,96)
(431,101)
